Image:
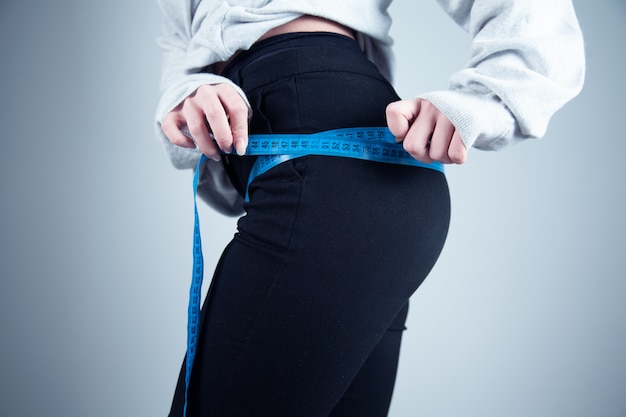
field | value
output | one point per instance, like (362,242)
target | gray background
(524,315)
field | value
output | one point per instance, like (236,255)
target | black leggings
(307,306)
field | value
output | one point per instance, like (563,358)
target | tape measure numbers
(373,144)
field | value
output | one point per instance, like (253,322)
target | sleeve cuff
(483,121)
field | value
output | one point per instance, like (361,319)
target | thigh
(370,392)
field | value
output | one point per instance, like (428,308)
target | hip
(307,83)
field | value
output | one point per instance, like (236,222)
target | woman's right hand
(216,117)
(425,132)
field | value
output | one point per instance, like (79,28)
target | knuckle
(174,137)
(438,155)
(239,112)
(188,105)
(213,110)
(391,108)
(196,127)
(427,105)
(171,137)
(225,91)
(204,88)
(176,141)
(168,119)
(195,123)
(167,126)
(203,91)
(224,142)
(457,156)
(412,147)
(210,151)
(397,108)
(222,137)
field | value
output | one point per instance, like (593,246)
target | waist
(308,23)
(305,23)
(306,83)
(290,54)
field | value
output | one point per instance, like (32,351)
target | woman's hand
(425,132)
(215,116)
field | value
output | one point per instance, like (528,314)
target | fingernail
(240,146)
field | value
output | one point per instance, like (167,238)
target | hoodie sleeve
(526,61)
(178,80)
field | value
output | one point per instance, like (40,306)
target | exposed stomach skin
(304,23)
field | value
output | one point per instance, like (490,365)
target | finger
(457,151)
(418,139)
(197,125)
(217,120)
(400,115)
(171,127)
(237,111)
(440,141)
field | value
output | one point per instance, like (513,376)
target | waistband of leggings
(291,54)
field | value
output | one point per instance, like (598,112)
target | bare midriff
(305,23)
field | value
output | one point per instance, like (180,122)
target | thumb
(401,115)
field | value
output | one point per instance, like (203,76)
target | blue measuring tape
(372,144)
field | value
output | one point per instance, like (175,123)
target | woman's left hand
(425,132)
